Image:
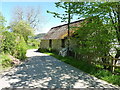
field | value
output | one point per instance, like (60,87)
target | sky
(47,20)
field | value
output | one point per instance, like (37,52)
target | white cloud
(42,30)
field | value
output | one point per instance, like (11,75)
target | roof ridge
(58,31)
(67,24)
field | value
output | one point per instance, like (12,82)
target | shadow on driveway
(48,72)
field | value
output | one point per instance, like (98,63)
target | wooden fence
(112,65)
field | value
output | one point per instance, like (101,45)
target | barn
(56,38)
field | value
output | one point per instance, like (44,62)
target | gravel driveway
(41,70)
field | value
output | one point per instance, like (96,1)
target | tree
(2,28)
(65,17)
(30,15)
(22,28)
(108,12)
(14,44)
(100,18)
(93,39)
(2,23)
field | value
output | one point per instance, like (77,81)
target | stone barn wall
(56,44)
(56,38)
(44,44)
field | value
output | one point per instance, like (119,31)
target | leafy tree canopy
(22,28)
(2,22)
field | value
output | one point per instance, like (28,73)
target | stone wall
(56,44)
(44,44)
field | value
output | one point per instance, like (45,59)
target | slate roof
(61,31)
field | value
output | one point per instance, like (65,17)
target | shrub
(14,44)
(8,42)
(33,43)
(6,63)
(20,49)
(21,53)
(42,50)
(5,60)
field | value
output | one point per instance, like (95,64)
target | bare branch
(31,15)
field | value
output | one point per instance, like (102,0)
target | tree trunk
(68,52)
(118,30)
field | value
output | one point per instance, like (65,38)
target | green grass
(31,47)
(5,62)
(32,44)
(96,71)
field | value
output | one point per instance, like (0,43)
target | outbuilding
(56,38)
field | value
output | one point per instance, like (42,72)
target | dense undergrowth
(95,70)
(33,44)
(13,44)
(5,61)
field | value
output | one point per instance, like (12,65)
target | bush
(8,42)
(20,48)
(5,60)
(33,43)
(14,44)
(50,50)
(6,63)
